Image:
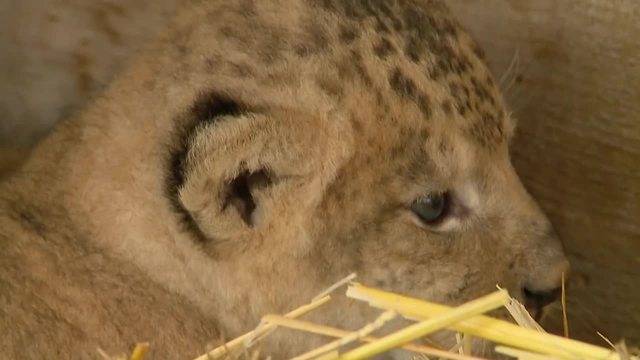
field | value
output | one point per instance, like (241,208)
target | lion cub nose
(538,294)
(536,300)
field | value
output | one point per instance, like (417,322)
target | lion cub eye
(431,208)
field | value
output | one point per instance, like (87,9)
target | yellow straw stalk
(261,330)
(483,326)
(415,331)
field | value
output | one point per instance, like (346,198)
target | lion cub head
(253,156)
(370,139)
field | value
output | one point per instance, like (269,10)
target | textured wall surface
(570,69)
(55,54)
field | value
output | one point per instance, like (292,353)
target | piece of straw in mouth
(318,329)
(498,331)
(230,346)
(335,286)
(379,322)
(426,327)
(521,316)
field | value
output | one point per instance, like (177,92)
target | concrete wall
(570,70)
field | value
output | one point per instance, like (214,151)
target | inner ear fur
(227,159)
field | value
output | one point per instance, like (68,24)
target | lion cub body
(252,155)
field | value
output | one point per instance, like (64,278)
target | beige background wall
(570,69)
(55,54)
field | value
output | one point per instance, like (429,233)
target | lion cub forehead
(386,64)
(408,61)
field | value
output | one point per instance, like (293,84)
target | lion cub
(255,153)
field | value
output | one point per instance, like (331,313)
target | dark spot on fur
(383,48)
(402,84)
(325,4)
(460,95)
(359,10)
(348,34)
(315,41)
(242,70)
(413,49)
(382,27)
(395,22)
(30,221)
(456,90)
(467,92)
(271,51)
(464,62)
(448,27)
(331,87)
(462,110)
(434,73)
(228,31)
(421,33)
(406,88)
(447,107)
(441,47)
(424,104)
(352,9)
(479,90)
(488,131)
(444,65)
(358,63)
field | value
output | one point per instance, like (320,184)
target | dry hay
(524,340)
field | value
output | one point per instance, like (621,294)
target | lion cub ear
(245,171)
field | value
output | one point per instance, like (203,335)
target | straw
(261,330)
(474,307)
(483,326)
(351,337)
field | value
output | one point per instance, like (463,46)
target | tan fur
(124,225)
